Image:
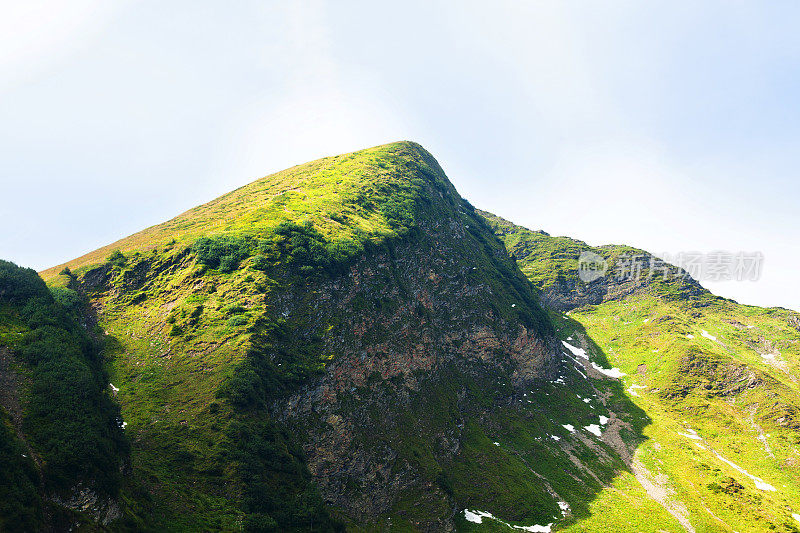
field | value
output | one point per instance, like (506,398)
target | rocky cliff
(331,345)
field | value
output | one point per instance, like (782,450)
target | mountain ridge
(204,219)
(349,344)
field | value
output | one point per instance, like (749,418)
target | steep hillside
(62,447)
(719,381)
(349,344)
(345,344)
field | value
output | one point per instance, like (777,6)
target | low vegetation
(70,423)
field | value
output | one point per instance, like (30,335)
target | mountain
(718,380)
(341,344)
(349,345)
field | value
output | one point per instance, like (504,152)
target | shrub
(237,320)
(68,298)
(18,284)
(260,262)
(70,420)
(116,258)
(234,309)
(223,251)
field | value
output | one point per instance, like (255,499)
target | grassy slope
(341,195)
(743,405)
(178,330)
(169,377)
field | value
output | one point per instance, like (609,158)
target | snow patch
(593,428)
(690,336)
(578,352)
(760,483)
(564,506)
(794,515)
(587,400)
(610,372)
(113,388)
(536,528)
(632,390)
(569,427)
(476,517)
(692,434)
(555,437)
(645,321)
(603,420)
(708,335)
(496,443)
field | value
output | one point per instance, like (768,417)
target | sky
(670,126)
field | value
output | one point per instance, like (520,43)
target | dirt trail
(657,487)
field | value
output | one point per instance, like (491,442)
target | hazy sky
(670,126)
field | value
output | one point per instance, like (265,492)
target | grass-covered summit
(337,344)
(349,199)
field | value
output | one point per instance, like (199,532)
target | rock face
(330,330)
(425,315)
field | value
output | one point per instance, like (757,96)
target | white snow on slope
(796,516)
(536,529)
(564,506)
(578,352)
(632,390)
(113,388)
(476,516)
(603,420)
(569,427)
(593,428)
(690,336)
(610,372)
(692,434)
(760,483)
(708,335)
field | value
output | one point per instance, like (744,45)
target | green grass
(724,389)
(200,346)
(362,196)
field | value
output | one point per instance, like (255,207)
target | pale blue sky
(672,126)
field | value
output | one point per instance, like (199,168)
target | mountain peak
(372,193)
